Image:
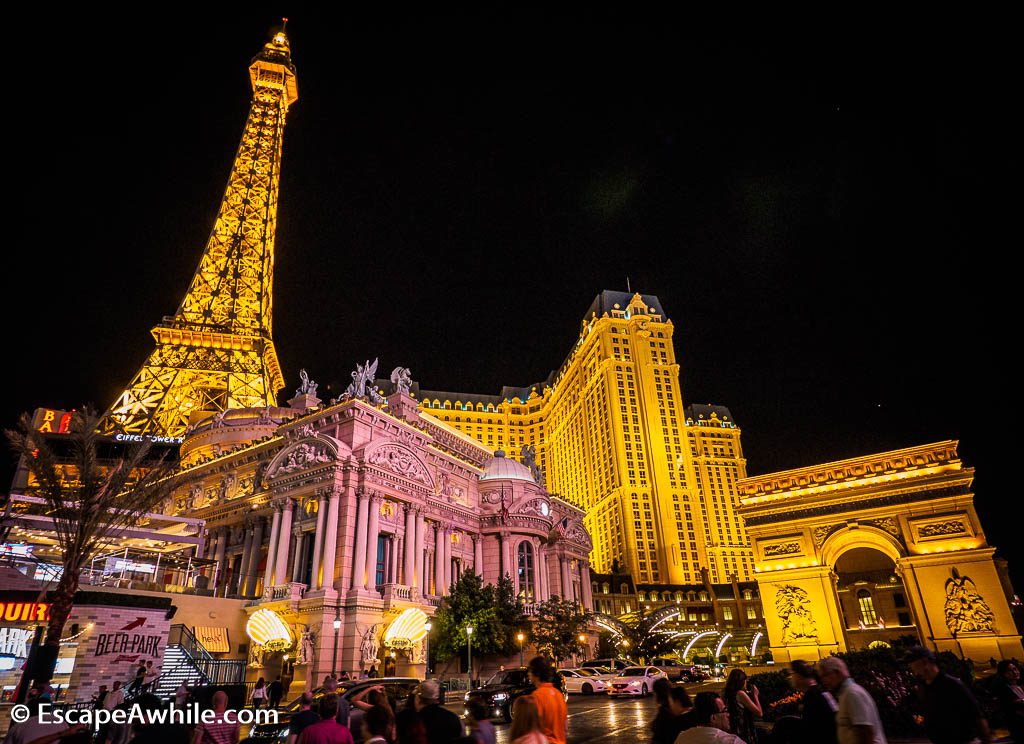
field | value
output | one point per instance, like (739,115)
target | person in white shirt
(857,720)
(115,697)
(712,722)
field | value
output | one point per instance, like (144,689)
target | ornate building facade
(609,432)
(857,553)
(366,513)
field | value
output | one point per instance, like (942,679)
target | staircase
(187,660)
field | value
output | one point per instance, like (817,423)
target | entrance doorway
(872,599)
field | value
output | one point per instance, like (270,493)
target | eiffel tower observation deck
(216,352)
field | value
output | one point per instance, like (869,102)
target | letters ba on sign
(213,638)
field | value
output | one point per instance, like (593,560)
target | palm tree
(647,639)
(90,500)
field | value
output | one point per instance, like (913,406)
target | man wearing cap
(443,726)
(951,714)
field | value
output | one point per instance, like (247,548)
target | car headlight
(466,697)
(634,683)
(498,697)
(283,733)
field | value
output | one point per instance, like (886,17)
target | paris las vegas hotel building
(322,535)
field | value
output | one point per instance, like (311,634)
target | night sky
(456,190)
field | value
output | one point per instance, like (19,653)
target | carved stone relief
(938,529)
(400,461)
(793,607)
(786,548)
(966,611)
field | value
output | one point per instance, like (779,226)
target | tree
(557,627)
(90,499)
(491,611)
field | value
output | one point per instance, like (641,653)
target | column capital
(376,497)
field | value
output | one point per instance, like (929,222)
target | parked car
(613,664)
(503,688)
(673,668)
(584,681)
(693,675)
(396,688)
(633,681)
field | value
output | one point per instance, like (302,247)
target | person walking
(711,722)
(742,705)
(115,697)
(219,730)
(140,675)
(551,706)
(409,728)
(817,709)
(1010,695)
(275,690)
(259,694)
(443,726)
(480,726)
(377,722)
(305,717)
(951,713)
(857,720)
(181,694)
(327,730)
(526,725)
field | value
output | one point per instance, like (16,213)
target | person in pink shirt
(328,730)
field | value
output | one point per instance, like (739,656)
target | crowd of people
(834,709)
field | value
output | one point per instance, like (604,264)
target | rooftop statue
(308,386)
(529,455)
(402,378)
(362,383)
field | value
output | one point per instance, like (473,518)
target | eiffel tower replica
(216,351)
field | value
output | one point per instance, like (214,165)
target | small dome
(502,468)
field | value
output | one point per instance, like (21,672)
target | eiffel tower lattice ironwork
(216,351)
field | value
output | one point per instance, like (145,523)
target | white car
(635,681)
(585,681)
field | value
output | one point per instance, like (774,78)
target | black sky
(455,191)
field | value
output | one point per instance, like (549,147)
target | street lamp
(583,644)
(520,637)
(334,660)
(426,652)
(469,639)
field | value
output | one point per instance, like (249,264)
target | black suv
(396,688)
(503,688)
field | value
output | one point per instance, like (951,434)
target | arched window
(679,596)
(623,589)
(867,607)
(606,588)
(748,595)
(703,596)
(641,597)
(525,568)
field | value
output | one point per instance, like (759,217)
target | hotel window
(525,569)
(383,553)
(727,613)
(867,607)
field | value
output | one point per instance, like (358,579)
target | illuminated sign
(213,638)
(148,438)
(15,550)
(25,611)
(408,628)
(50,421)
(266,628)
(15,641)
(120,564)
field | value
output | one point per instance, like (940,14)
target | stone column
(563,562)
(393,562)
(438,558)
(447,564)
(297,562)
(275,535)
(331,538)
(243,566)
(409,546)
(419,574)
(359,559)
(254,558)
(222,546)
(478,554)
(586,591)
(372,532)
(284,540)
(318,540)
(543,588)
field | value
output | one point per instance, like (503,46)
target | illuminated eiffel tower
(216,351)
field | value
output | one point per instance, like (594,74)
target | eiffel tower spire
(216,351)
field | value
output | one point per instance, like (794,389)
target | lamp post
(520,637)
(583,645)
(469,639)
(426,652)
(334,659)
